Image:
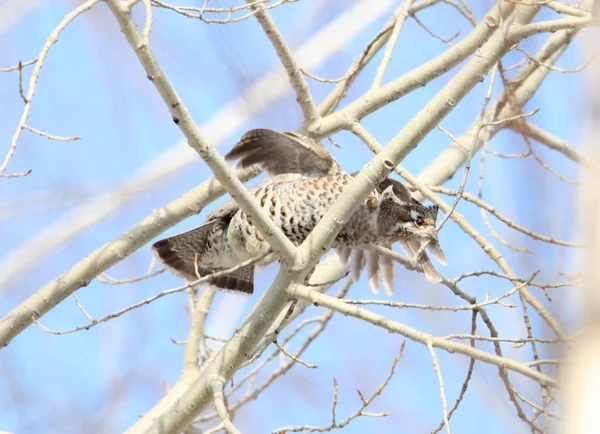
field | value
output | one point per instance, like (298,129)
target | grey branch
(108,255)
(418,336)
(181,116)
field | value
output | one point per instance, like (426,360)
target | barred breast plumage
(305,181)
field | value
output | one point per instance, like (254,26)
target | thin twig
(105,278)
(294,358)
(554,68)
(400,16)
(490,209)
(361,410)
(153,298)
(299,84)
(52,38)
(463,182)
(217,389)
(199,13)
(50,136)
(550,141)
(19,66)
(447,41)
(438,373)
(465,385)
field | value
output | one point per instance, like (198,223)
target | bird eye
(419,222)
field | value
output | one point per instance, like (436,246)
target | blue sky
(92,85)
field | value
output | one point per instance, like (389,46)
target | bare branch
(491,251)
(297,80)
(361,410)
(438,373)
(50,136)
(151,299)
(181,116)
(39,62)
(326,42)
(294,358)
(400,16)
(463,390)
(489,208)
(415,79)
(527,83)
(19,66)
(217,389)
(465,226)
(108,255)
(418,336)
(569,23)
(551,141)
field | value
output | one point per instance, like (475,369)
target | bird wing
(280,153)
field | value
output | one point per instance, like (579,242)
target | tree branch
(527,82)
(108,255)
(415,79)
(549,140)
(400,16)
(416,335)
(283,247)
(52,38)
(297,79)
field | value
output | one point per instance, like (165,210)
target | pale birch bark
(504,26)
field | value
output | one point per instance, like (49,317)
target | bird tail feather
(181,253)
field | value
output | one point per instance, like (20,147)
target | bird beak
(434,247)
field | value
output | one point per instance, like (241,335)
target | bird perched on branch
(305,180)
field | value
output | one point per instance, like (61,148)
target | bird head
(402,221)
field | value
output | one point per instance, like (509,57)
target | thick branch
(107,256)
(323,44)
(297,79)
(181,116)
(486,246)
(569,23)
(178,410)
(417,78)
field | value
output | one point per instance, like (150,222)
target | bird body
(305,182)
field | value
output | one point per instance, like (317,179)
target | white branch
(528,81)
(551,141)
(232,355)
(217,389)
(297,79)
(416,335)
(106,256)
(569,23)
(400,15)
(52,38)
(281,245)
(438,373)
(416,78)
(325,43)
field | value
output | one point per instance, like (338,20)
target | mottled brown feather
(280,153)
(181,252)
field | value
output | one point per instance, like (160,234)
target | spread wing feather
(280,153)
